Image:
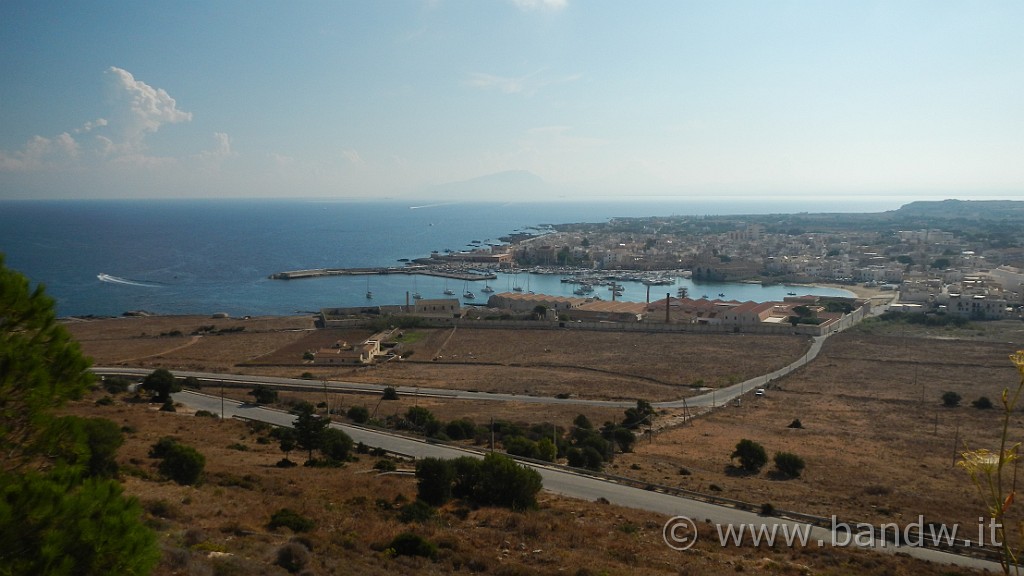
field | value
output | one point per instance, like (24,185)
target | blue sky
(599,99)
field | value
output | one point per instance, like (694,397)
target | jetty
(409,270)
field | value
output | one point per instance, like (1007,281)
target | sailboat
(448,290)
(467,294)
(487,289)
(415,291)
(369,295)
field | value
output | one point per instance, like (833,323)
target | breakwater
(469,276)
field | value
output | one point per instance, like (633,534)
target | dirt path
(190,342)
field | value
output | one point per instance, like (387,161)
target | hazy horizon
(525,100)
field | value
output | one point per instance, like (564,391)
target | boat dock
(425,271)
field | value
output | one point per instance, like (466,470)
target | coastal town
(919,271)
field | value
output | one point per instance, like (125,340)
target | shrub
(358,414)
(951,399)
(183,464)
(789,464)
(293,557)
(982,403)
(385,465)
(409,544)
(767,509)
(796,424)
(264,394)
(116,384)
(751,455)
(416,511)
(390,394)
(288,518)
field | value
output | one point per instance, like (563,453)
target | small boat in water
(487,289)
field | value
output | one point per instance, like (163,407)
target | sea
(108,257)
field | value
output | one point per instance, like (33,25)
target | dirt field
(220,526)
(878,445)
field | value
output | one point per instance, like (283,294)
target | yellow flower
(1018,359)
(982,462)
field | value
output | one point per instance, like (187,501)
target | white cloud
(147,108)
(117,140)
(553,5)
(353,157)
(221,150)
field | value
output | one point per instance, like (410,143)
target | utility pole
(492,433)
(222,400)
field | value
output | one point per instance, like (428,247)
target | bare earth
(879,446)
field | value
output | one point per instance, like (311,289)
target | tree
(639,415)
(540,311)
(789,464)
(58,513)
(505,482)
(389,394)
(434,480)
(951,399)
(161,383)
(751,455)
(287,438)
(264,394)
(336,445)
(309,429)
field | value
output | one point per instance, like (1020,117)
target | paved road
(568,483)
(714,398)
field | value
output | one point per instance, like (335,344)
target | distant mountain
(507,185)
(964,209)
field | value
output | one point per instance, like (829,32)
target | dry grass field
(878,444)
(220,527)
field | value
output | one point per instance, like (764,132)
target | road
(709,399)
(574,485)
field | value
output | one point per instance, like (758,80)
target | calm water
(176,257)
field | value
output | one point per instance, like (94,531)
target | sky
(525,99)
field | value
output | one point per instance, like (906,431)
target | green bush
(390,394)
(409,544)
(951,399)
(183,464)
(358,414)
(416,511)
(751,455)
(435,477)
(288,518)
(789,464)
(336,445)
(982,403)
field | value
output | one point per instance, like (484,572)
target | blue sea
(104,258)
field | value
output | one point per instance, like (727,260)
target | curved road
(574,485)
(714,398)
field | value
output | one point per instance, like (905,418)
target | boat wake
(124,281)
(439,204)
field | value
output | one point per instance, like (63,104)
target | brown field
(220,525)
(879,446)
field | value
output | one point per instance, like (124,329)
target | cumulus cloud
(118,139)
(221,150)
(553,5)
(145,108)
